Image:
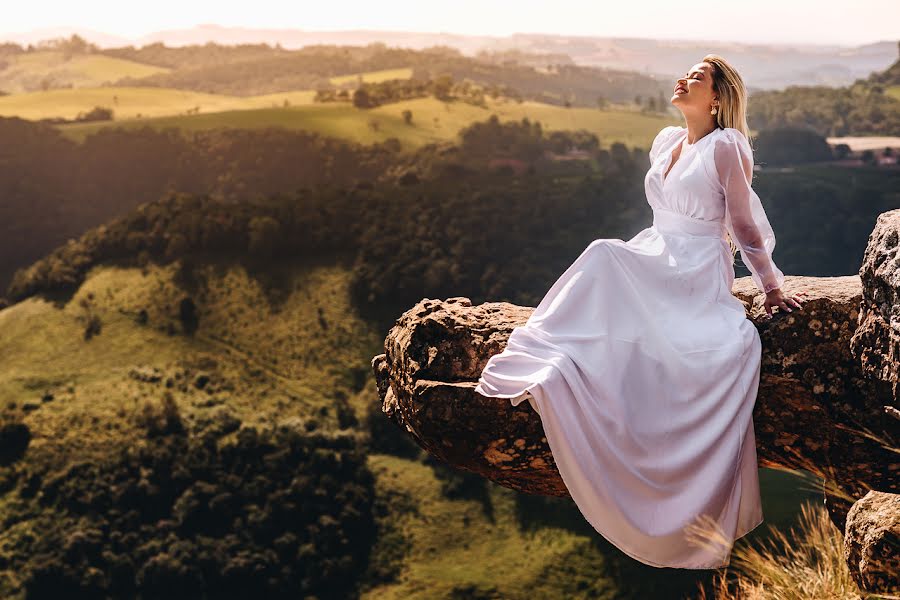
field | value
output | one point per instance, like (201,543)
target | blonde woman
(641,363)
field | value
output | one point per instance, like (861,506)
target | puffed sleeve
(745,217)
(660,141)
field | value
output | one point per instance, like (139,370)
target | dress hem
(739,534)
(692,567)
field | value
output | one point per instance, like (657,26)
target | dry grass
(806,563)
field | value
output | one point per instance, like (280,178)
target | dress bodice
(690,188)
(711,182)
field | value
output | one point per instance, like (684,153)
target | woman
(640,362)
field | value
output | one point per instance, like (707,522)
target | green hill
(867,107)
(113,369)
(136,102)
(432,121)
(297,336)
(39,70)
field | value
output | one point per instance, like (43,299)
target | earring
(713,111)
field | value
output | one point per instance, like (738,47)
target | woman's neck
(698,128)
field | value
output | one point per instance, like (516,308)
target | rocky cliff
(827,402)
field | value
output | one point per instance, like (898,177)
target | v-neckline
(670,166)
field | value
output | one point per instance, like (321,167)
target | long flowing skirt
(644,370)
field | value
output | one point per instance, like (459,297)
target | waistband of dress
(669,221)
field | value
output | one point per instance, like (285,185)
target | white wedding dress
(644,368)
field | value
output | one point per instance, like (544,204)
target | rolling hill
(129,103)
(45,69)
(432,120)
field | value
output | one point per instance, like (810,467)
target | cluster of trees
(869,106)
(283,512)
(790,146)
(329,218)
(372,94)
(860,109)
(565,85)
(69,46)
(489,139)
(54,189)
(98,113)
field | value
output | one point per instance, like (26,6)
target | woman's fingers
(794,299)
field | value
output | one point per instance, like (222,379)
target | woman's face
(694,91)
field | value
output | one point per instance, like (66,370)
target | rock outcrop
(827,402)
(872,542)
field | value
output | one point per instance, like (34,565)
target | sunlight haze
(763,21)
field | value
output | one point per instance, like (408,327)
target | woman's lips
(680,89)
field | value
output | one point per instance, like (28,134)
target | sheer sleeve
(745,217)
(660,141)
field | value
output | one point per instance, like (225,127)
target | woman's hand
(777,298)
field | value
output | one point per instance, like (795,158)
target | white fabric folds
(644,368)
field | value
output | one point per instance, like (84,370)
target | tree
(791,145)
(98,113)
(187,314)
(442,86)
(263,232)
(361,98)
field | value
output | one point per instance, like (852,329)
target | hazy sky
(797,21)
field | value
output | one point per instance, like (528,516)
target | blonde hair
(732,109)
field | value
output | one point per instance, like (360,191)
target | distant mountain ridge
(765,66)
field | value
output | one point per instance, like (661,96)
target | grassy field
(128,103)
(27,71)
(372,76)
(472,547)
(276,348)
(86,73)
(432,121)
